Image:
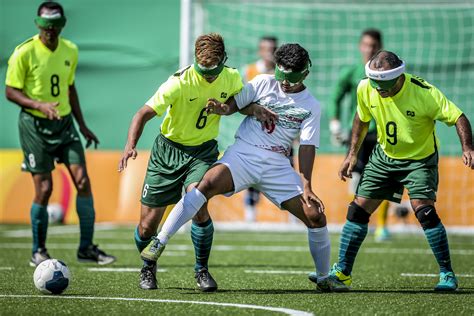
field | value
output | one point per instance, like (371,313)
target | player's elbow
(10,93)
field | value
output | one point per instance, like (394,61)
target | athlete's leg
(43,184)
(318,236)
(381,232)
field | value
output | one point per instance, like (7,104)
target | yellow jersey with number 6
(42,74)
(184,97)
(406,121)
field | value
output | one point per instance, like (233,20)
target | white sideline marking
(176,250)
(276,272)
(57,230)
(287,311)
(433,275)
(120,270)
(6,268)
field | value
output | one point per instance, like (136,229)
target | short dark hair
(52,6)
(209,49)
(273,39)
(384,56)
(292,56)
(374,33)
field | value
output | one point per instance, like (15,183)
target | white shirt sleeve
(251,92)
(310,129)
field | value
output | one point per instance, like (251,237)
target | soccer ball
(55,213)
(51,276)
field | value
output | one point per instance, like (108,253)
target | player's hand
(89,136)
(345,171)
(215,107)
(468,158)
(49,109)
(312,200)
(267,117)
(128,152)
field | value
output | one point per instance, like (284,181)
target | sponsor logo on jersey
(67,63)
(223,95)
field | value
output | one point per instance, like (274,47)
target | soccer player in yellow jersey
(184,149)
(40,79)
(405,109)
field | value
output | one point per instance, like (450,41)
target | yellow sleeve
(445,111)
(166,95)
(17,68)
(362,108)
(72,75)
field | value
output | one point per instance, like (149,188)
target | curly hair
(292,56)
(384,58)
(209,49)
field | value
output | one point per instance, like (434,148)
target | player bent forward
(258,158)
(405,109)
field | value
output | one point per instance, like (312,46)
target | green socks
(201,235)
(353,234)
(39,225)
(86,213)
(438,241)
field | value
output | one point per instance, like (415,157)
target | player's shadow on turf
(246,266)
(464,291)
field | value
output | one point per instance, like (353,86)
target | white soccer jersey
(299,114)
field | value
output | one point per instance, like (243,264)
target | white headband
(208,68)
(53,15)
(384,75)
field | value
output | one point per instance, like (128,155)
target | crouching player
(258,158)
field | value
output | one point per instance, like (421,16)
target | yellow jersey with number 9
(406,121)
(184,97)
(42,74)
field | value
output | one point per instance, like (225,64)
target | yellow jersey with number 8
(42,74)
(406,121)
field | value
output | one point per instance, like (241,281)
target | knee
(357,214)
(206,187)
(146,229)
(83,185)
(315,220)
(427,216)
(44,191)
(202,216)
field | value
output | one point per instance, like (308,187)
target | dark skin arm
(359,130)
(47,108)
(463,127)
(77,113)
(306,156)
(135,130)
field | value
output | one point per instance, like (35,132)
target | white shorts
(269,172)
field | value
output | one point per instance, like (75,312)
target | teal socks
(438,241)
(39,225)
(353,234)
(201,235)
(86,213)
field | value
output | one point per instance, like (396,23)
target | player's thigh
(369,205)
(308,215)
(217,180)
(378,180)
(421,180)
(37,156)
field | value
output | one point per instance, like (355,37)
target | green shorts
(45,142)
(172,167)
(384,178)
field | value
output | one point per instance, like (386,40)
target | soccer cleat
(339,281)
(324,285)
(95,255)
(153,250)
(382,234)
(205,281)
(39,256)
(148,277)
(447,282)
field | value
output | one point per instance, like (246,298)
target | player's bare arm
(47,108)
(306,156)
(77,113)
(359,130)
(463,127)
(139,120)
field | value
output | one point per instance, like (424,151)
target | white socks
(183,211)
(320,248)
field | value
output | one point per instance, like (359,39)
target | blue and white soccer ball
(52,276)
(55,213)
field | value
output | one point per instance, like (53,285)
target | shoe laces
(203,275)
(147,273)
(156,243)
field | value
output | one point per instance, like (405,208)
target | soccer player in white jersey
(258,158)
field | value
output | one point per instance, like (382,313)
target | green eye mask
(47,23)
(291,76)
(210,71)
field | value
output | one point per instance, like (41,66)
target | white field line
(120,270)
(6,268)
(286,311)
(57,230)
(433,275)
(276,272)
(177,249)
